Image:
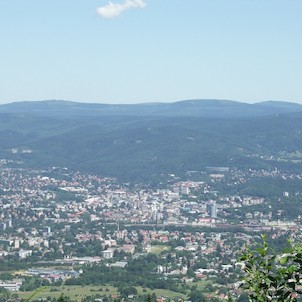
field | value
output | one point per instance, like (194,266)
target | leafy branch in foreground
(272,277)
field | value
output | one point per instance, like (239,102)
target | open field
(77,293)
(74,292)
(161,292)
(157,249)
(200,284)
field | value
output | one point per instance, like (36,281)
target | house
(25,253)
(108,254)
(13,285)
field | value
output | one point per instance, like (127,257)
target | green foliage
(126,291)
(35,293)
(197,296)
(6,276)
(31,283)
(272,277)
(136,144)
(138,272)
(151,298)
(63,298)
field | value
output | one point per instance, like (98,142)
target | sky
(133,51)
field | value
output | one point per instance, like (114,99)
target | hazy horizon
(155,102)
(142,51)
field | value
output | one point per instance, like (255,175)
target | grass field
(77,293)
(200,284)
(161,292)
(157,249)
(74,292)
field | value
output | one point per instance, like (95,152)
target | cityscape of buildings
(61,217)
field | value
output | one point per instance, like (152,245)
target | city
(56,223)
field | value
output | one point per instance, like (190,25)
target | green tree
(63,298)
(126,291)
(197,296)
(149,298)
(272,277)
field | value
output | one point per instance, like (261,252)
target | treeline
(139,272)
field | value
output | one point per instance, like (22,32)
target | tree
(126,291)
(149,298)
(197,296)
(62,299)
(272,277)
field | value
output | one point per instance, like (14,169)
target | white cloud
(112,10)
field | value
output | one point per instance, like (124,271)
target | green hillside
(141,147)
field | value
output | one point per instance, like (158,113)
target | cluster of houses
(39,208)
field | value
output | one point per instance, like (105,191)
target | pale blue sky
(169,50)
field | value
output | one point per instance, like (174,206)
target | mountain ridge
(207,108)
(134,143)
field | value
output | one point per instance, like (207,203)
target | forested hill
(140,142)
(197,108)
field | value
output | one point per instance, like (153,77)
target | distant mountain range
(196,108)
(142,141)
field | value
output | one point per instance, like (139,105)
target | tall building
(212,209)
(9,223)
(213,212)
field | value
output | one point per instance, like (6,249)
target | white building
(13,285)
(25,253)
(108,254)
